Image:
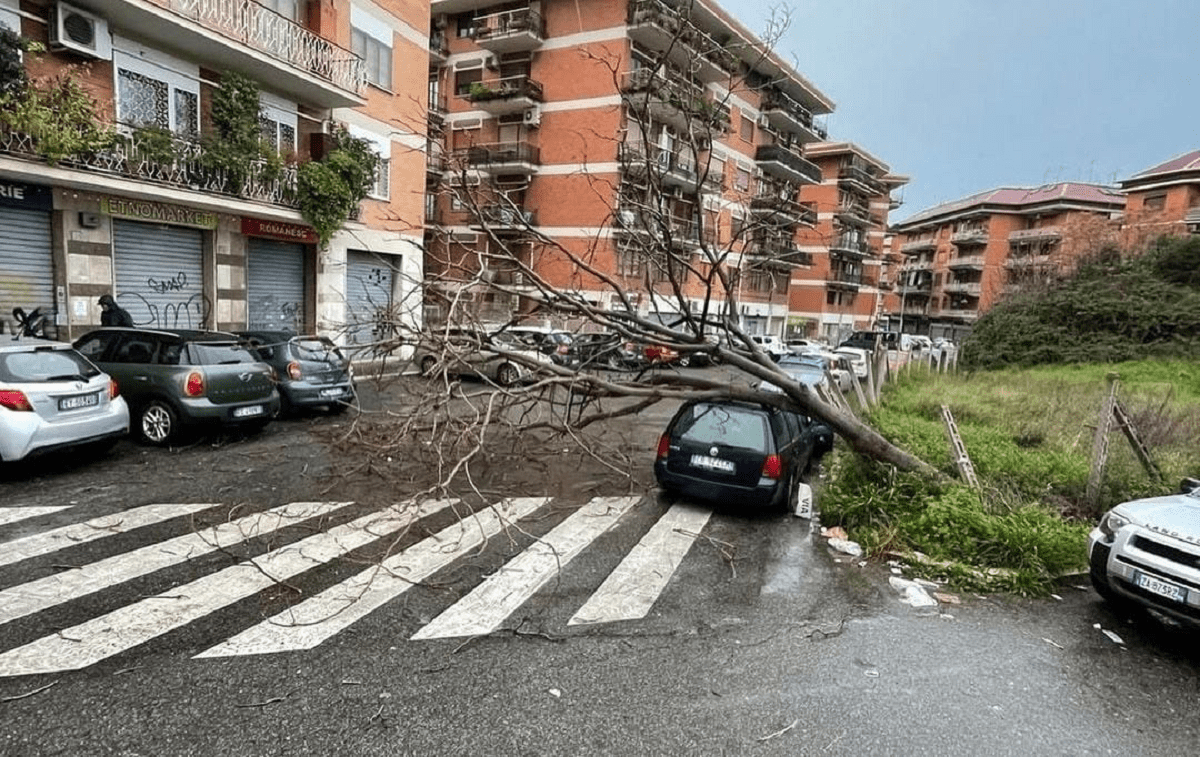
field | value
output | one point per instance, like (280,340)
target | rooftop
(1020,199)
(1188,162)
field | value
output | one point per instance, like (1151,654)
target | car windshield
(221,353)
(724,424)
(45,365)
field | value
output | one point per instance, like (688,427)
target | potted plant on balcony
(330,190)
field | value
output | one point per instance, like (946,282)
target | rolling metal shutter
(159,273)
(27,270)
(275,285)
(369,280)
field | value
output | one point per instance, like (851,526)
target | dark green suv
(178,378)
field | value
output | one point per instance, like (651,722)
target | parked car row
(159,384)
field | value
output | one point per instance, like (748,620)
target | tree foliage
(1111,310)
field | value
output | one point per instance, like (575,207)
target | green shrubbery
(1029,435)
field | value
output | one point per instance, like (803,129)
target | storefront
(277,275)
(27,276)
(370,282)
(158,275)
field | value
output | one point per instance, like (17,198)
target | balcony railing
(507,95)
(665,29)
(678,168)
(854,212)
(850,246)
(773,207)
(784,163)
(919,245)
(510,31)
(785,114)
(185,168)
(506,216)
(513,157)
(848,279)
(439,46)
(969,237)
(256,26)
(1035,235)
(855,173)
(967,261)
(963,287)
(780,251)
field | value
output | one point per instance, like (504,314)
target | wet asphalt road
(763,642)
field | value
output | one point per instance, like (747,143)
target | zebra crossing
(628,592)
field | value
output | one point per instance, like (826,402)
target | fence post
(1100,442)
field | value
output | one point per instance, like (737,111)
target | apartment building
(638,155)
(842,289)
(181,241)
(1163,200)
(962,256)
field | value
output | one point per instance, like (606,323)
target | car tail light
(772,467)
(15,400)
(194,385)
(294,371)
(664,443)
(114,390)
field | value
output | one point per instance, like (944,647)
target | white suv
(771,344)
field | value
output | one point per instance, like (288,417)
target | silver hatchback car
(52,397)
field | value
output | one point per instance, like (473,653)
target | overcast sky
(968,95)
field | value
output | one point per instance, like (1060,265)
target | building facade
(639,155)
(963,256)
(180,239)
(1163,200)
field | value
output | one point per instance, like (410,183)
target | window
(464,24)
(629,260)
(1155,201)
(278,121)
(371,40)
(741,179)
(464,79)
(8,15)
(382,146)
(285,8)
(154,89)
(747,128)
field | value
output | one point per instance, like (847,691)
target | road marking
(632,588)
(14,514)
(100,638)
(26,599)
(311,622)
(485,608)
(96,528)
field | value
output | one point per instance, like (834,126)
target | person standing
(112,314)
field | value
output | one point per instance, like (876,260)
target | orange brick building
(180,243)
(1162,200)
(618,148)
(961,257)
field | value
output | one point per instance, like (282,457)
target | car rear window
(319,350)
(220,353)
(724,424)
(45,365)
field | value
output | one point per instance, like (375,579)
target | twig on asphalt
(376,715)
(123,671)
(780,732)
(29,693)
(835,740)
(272,700)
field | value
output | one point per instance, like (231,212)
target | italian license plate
(335,392)
(247,412)
(79,400)
(712,463)
(1161,588)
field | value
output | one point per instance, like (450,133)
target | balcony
(187,169)
(506,219)
(921,287)
(782,252)
(244,36)
(774,208)
(510,31)
(436,116)
(503,158)
(919,245)
(972,288)
(967,262)
(965,315)
(1044,234)
(848,246)
(512,94)
(671,169)
(854,213)
(663,29)
(860,178)
(670,98)
(838,278)
(782,163)
(786,115)
(439,48)
(968,237)
(435,166)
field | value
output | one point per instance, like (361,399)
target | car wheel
(428,363)
(1098,573)
(507,374)
(685,361)
(158,423)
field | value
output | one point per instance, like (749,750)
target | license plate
(247,412)
(79,400)
(1161,588)
(712,463)
(336,392)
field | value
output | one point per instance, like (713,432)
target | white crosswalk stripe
(110,634)
(28,598)
(36,545)
(15,514)
(631,590)
(484,609)
(628,593)
(311,622)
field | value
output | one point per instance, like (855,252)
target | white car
(859,360)
(52,397)
(1147,552)
(771,345)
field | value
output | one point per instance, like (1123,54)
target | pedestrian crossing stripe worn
(97,528)
(311,622)
(35,596)
(628,593)
(485,608)
(15,514)
(110,634)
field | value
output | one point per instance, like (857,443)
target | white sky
(967,95)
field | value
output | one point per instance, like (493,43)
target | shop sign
(291,232)
(30,196)
(157,212)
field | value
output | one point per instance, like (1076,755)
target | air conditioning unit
(532,117)
(511,119)
(763,122)
(491,61)
(80,32)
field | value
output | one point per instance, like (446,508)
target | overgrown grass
(1029,434)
